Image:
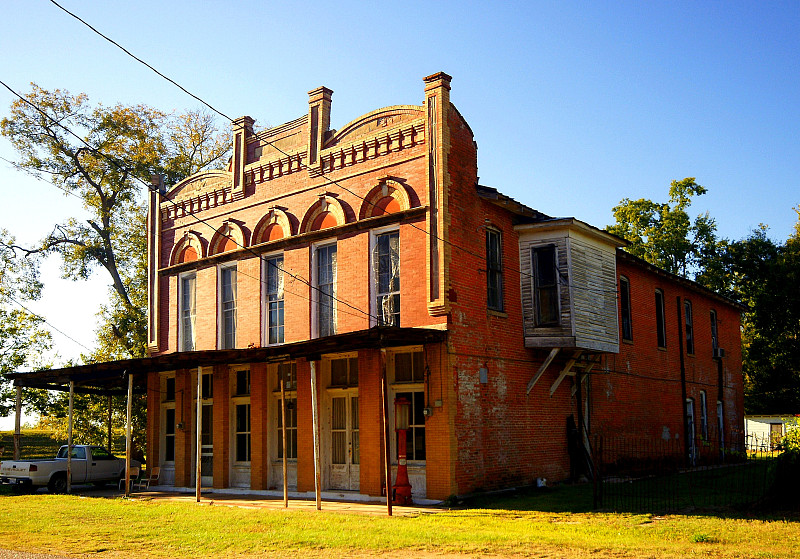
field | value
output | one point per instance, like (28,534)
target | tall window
(228,307)
(241,408)
(344,372)
(287,374)
(703,415)
(168,416)
(326,294)
(661,325)
(494,270)
(687,307)
(386,263)
(273,299)
(714,339)
(545,286)
(408,383)
(720,424)
(625,308)
(187,311)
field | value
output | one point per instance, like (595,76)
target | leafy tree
(765,276)
(112,154)
(23,339)
(664,233)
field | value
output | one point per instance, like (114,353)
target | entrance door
(344,469)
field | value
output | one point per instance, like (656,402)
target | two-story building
(322,262)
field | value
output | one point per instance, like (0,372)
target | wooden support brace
(567,370)
(542,368)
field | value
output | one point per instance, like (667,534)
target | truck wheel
(57,484)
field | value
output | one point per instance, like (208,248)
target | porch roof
(110,378)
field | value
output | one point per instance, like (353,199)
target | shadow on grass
(579,498)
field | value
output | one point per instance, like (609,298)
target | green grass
(534,524)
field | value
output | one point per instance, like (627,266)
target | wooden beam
(69,437)
(315,427)
(128,437)
(387,471)
(540,372)
(18,424)
(285,450)
(198,427)
(567,370)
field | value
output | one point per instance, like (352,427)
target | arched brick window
(274,226)
(387,197)
(187,249)
(230,236)
(326,213)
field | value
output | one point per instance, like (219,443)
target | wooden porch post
(315,427)
(18,424)
(387,468)
(69,436)
(109,424)
(285,450)
(198,434)
(128,437)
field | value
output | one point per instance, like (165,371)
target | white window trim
(373,280)
(315,287)
(265,302)
(165,405)
(181,327)
(220,316)
(398,387)
(234,401)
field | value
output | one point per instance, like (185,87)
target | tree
(664,234)
(107,162)
(765,276)
(23,340)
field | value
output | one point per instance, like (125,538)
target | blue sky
(574,105)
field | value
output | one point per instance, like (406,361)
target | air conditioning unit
(719,353)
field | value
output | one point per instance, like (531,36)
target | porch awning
(110,378)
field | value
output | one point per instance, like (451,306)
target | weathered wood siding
(587,291)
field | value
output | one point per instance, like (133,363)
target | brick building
(323,261)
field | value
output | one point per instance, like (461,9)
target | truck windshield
(78,453)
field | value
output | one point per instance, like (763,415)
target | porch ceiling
(111,377)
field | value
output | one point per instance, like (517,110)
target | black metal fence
(641,475)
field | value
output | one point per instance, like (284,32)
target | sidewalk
(266,500)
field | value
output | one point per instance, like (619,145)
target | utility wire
(329,180)
(196,218)
(43,319)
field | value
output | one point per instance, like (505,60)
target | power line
(196,218)
(129,53)
(329,180)
(43,319)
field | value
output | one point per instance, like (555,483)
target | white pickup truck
(90,464)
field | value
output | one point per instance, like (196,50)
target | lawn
(552,523)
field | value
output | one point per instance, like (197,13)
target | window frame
(183,329)
(626,316)
(237,400)
(317,300)
(168,432)
(714,332)
(703,415)
(269,267)
(377,318)
(291,411)
(661,319)
(414,388)
(223,334)
(495,299)
(688,317)
(538,289)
